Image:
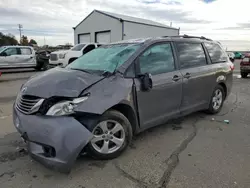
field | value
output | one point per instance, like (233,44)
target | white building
(106,27)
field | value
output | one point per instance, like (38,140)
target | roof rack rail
(189,36)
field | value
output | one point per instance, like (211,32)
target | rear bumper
(53,141)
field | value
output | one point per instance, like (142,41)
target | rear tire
(114,131)
(243,75)
(217,100)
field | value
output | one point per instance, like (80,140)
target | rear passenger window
(191,54)
(157,59)
(216,53)
(26,51)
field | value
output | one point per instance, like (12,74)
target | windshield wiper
(83,70)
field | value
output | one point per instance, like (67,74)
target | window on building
(157,59)
(191,54)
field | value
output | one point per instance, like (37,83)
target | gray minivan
(98,102)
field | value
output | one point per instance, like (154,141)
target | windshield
(105,58)
(78,47)
(1,48)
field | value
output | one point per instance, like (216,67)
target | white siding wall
(99,22)
(134,30)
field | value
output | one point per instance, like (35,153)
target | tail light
(232,67)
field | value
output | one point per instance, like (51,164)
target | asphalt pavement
(197,151)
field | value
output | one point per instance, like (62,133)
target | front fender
(106,94)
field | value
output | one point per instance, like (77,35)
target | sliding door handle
(187,75)
(176,78)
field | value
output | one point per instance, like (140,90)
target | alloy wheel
(108,137)
(217,99)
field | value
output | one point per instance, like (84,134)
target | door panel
(27,58)
(197,76)
(163,100)
(10,60)
(197,88)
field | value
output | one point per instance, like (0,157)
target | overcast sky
(224,20)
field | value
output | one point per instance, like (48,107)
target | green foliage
(32,41)
(7,39)
(24,41)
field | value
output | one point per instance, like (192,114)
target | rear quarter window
(216,53)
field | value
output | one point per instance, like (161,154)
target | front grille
(53,57)
(27,104)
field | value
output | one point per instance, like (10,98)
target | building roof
(130,19)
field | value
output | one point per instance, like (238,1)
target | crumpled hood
(59,82)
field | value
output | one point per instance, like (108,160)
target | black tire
(211,109)
(124,122)
(243,75)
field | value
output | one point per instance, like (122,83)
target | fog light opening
(49,151)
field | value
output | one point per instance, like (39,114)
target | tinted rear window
(216,53)
(191,54)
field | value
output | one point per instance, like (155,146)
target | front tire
(112,135)
(243,75)
(217,100)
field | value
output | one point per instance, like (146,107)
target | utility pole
(20,31)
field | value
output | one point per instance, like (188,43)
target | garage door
(84,38)
(103,37)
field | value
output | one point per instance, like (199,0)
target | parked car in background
(65,57)
(97,103)
(245,66)
(17,57)
(231,56)
(238,55)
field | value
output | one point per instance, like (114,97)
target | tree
(7,39)
(24,41)
(32,42)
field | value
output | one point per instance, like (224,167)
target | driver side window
(157,59)
(11,51)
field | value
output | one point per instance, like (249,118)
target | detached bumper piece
(55,142)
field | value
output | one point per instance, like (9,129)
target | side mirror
(146,82)
(4,54)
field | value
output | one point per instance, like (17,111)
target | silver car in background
(17,57)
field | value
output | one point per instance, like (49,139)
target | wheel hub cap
(217,99)
(108,137)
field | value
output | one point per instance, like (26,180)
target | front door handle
(187,75)
(176,78)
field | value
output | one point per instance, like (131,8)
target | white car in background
(64,57)
(17,57)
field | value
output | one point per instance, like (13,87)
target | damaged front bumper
(55,142)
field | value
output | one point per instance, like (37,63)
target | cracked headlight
(65,107)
